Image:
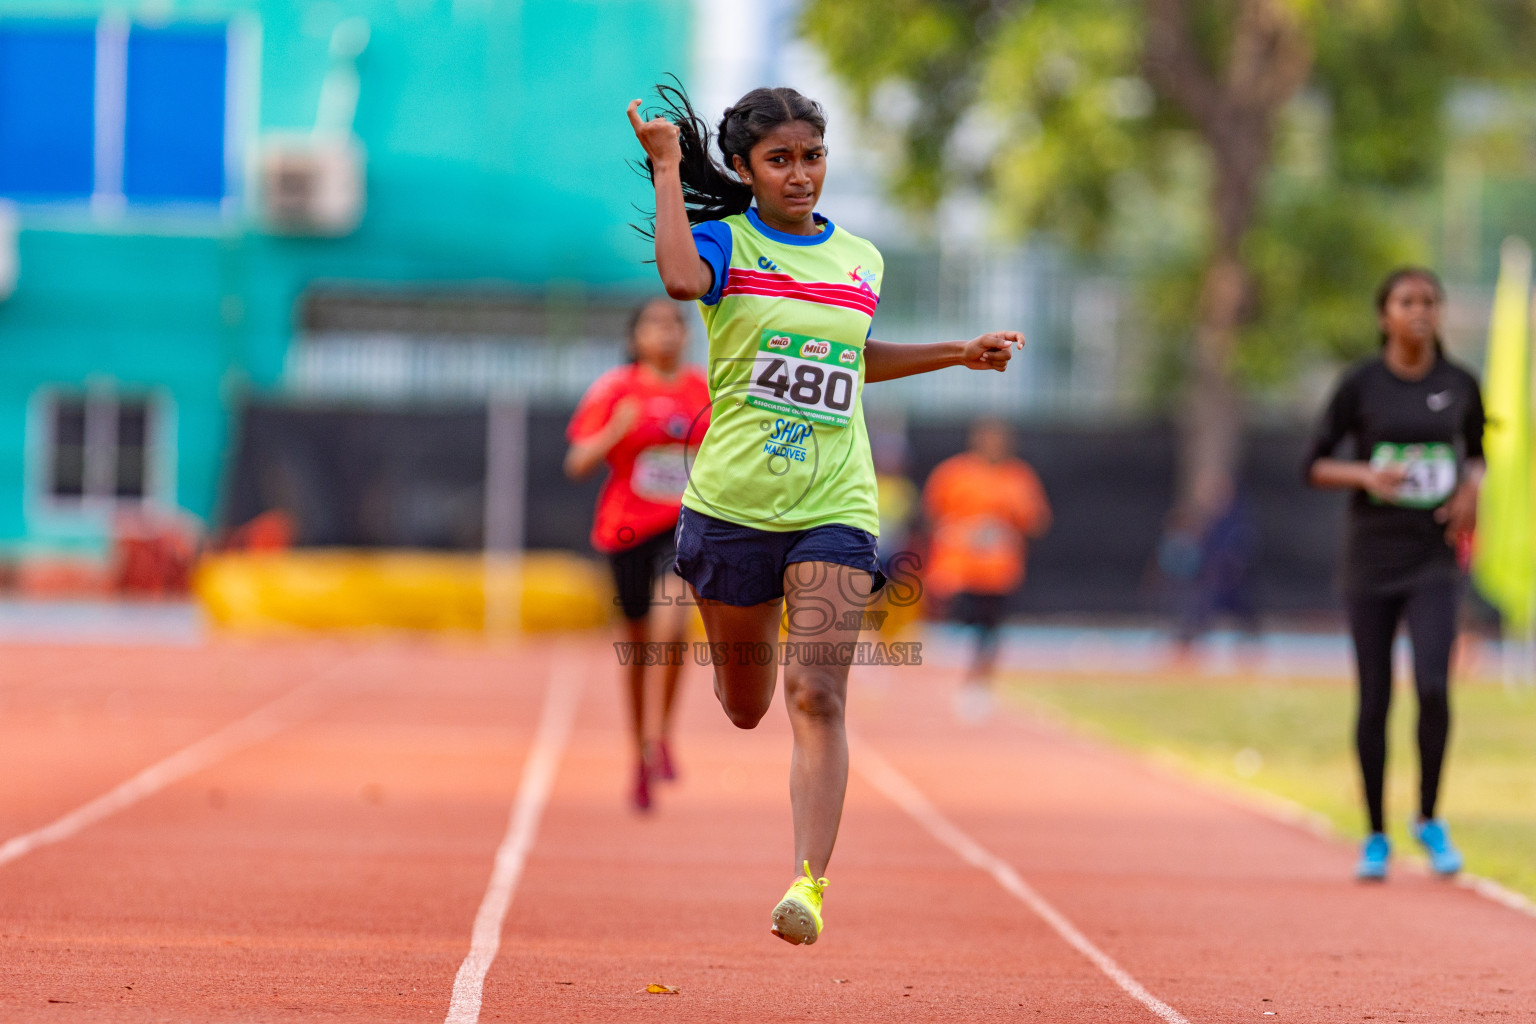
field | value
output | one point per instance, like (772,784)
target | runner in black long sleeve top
(1416,420)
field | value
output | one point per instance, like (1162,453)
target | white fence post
(506,489)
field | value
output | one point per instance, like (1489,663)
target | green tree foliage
(1256,165)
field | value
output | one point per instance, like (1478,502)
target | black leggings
(1430,612)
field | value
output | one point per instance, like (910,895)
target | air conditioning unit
(311,184)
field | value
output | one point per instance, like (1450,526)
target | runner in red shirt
(640,419)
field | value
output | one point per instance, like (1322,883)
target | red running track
(327,858)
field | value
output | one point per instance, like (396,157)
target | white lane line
(560,703)
(263,723)
(879,772)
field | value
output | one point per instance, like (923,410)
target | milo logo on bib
(1429,472)
(811,378)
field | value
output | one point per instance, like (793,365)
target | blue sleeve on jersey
(713,239)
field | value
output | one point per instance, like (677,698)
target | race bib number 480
(1429,471)
(797,375)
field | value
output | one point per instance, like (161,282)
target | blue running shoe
(1373,858)
(1444,859)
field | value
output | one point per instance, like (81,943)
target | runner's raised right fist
(658,136)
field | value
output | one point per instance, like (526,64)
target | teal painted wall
(497,149)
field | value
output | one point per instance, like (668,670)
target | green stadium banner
(1504,565)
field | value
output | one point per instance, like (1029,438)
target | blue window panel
(173,150)
(47,110)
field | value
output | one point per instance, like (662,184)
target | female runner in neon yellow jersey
(780,505)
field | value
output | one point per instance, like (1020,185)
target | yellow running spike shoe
(797,918)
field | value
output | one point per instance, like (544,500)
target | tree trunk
(1210,420)
(1235,110)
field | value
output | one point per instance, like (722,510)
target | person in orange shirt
(981,506)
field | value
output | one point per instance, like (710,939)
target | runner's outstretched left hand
(992,350)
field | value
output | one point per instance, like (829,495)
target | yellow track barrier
(539,591)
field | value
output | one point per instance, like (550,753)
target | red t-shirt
(647,469)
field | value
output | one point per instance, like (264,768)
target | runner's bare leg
(825,604)
(671,626)
(744,684)
(637,632)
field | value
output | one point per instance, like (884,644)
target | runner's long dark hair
(1389,285)
(711,190)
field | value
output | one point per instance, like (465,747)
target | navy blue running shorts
(742,566)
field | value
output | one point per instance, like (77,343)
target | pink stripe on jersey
(740,281)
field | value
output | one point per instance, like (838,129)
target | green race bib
(1430,472)
(811,378)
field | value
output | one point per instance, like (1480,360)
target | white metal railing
(393,368)
(390,367)
(1079,361)
(1087,357)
